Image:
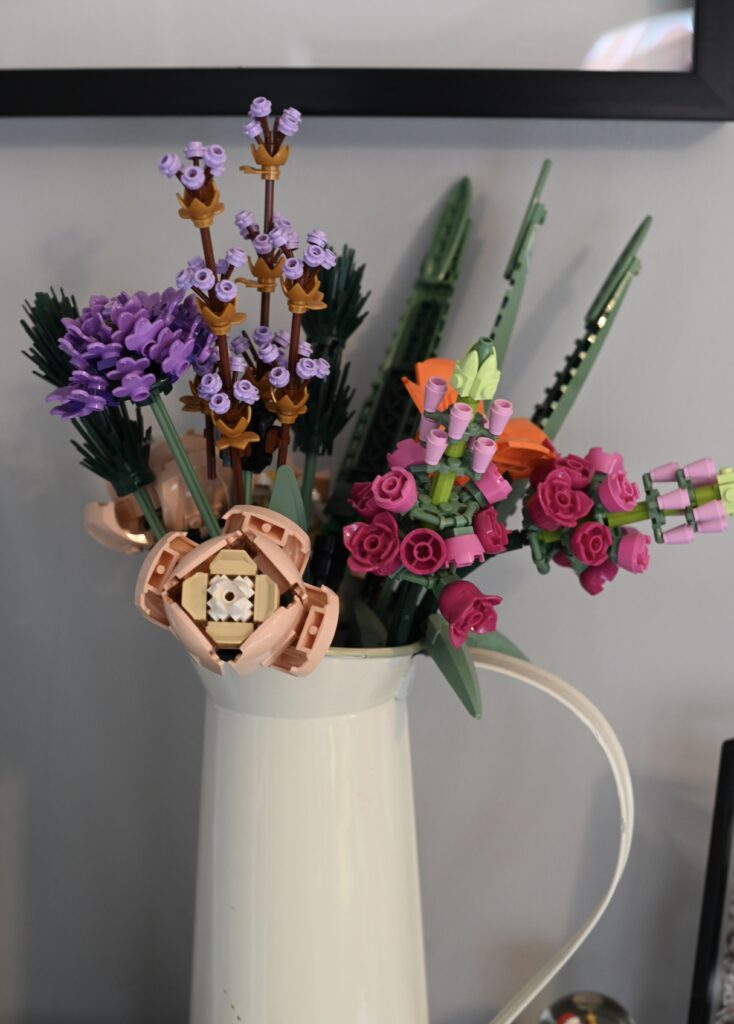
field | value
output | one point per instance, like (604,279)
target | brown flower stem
(211,460)
(208,247)
(265,309)
(285,436)
(295,338)
(269,205)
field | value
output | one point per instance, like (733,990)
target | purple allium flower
(305,348)
(220,403)
(226,291)
(328,260)
(239,345)
(215,156)
(306,368)
(193,178)
(268,353)
(204,279)
(262,244)
(324,368)
(244,221)
(178,360)
(317,237)
(260,107)
(135,386)
(206,354)
(252,129)
(293,269)
(194,149)
(169,164)
(236,257)
(288,125)
(75,402)
(210,384)
(282,338)
(196,262)
(184,278)
(293,113)
(245,391)
(237,363)
(279,377)
(313,255)
(126,365)
(278,236)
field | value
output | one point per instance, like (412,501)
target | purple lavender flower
(262,335)
(226,291)
(252,129)
(260,107)
(305,348)
(205,356)
(193,178)
(307,368)
(282,338)
(328,261)
(324,368)
(313,255)
(282,221)
(126,365)
(135,386)
(215,156)
(268,353)
(244,221)
(293,269)
(278,236)
(169,164)
(210,384)
(178,359)
(292,240)
(222,266)
(194,149)
(184,278)
(262,244)
(279,377)
(196,262)
(288,125)
(220,403)
(75,402)
(204,279)
(237,363)
(236,257)
(293,113)
(239,345)
(245,391)
(317,237)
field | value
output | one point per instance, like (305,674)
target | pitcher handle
(604,735)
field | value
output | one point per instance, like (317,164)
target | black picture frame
(706,93)
(717,894)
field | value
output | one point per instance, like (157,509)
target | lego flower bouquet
(303,594)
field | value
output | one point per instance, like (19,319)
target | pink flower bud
(701,472)
(675,499)
(665,474)
(434,393)
(436,444)
(483,451)
(460,417)
(604,462)
(467,610)
(500,413)
(633,552)
(594,578)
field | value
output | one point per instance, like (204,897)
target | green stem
(248,487)
(401,620)
(184,464)
(151,516)
(309,475)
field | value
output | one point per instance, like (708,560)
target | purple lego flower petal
(307,368)
(293,269)
(236,257)
(194,149)
(226,291)
(260,107)
(279,377)
(193,178)
(245,391)
(220,403)
(169,164)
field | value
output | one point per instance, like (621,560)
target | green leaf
(286,497)
(496,641)
(455,663)
(370,628)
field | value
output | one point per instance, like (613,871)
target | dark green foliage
(114,445)
(345,303)
(286,497)
(455,664)
(44,328)
(328,408)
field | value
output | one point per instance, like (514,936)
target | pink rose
(604,462)
(373,547)
(633,552)
(467,610)
(594,578)
(580,470)
(590,543)
(490,531)
(555,503)
(423,551)
(362,499)
(395,491)
(617,493)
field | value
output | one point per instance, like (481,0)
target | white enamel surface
(308,904)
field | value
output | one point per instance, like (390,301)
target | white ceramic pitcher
(308,904)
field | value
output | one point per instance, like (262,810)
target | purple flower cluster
(272,349)
(260,110)
(283,238)
(121,347)
(208,161)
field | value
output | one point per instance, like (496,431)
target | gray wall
(100,715)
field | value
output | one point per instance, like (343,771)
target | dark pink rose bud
(467,610)
(590,543)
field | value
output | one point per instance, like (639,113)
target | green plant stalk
(443,483)
(248,487)
(401,620)
(184,464)
(309,475)
(151,516)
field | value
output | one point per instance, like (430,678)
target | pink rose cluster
(570,499)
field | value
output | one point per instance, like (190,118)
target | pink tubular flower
(556,504)
(617,493)
(362,500)
(490,531)
(373,547)
(594,578)
(633,552)
(467,610)
(423,551)
(395,491)
(590,543)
